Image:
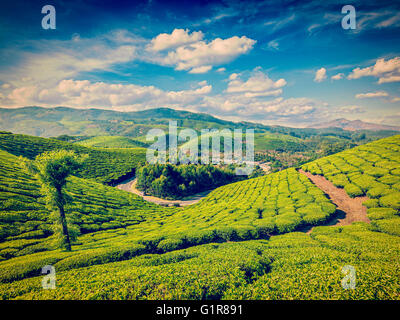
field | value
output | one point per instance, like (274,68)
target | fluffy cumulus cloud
(257,97)
(320,75)
(337,76)
(199,56)
(378,94)
(51,61)
(352,109)
(202,69)
(259,84)
(395,99)
(177,38)
(384,70)
(250,95)
(239,107)
(76,93)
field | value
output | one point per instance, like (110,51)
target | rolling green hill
(183,253)
(111,142)
(103,165)
(25,218)
(372,170)
(52,122)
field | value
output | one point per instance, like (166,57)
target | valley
(285,234)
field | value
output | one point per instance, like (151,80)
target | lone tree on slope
(52,170)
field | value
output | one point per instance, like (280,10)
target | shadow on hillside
(334,220)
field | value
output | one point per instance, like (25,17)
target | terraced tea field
(111,142)
(243,241)
(102,165)
(24,218)
(371,170)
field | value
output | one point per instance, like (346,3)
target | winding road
(130,186)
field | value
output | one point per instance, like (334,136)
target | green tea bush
(339,180)
(103,165)
(371,203)
(381,213)
(378,192)
(287,222)
(391,200)
(372,169)
(170,244)
(390,226)
(100,256)
(353,190)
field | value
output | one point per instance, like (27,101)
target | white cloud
(177,38)
(388,79)
(352,109)
(233,76)
(65,59)
(273,44)
(386,71)
(280,23)
(201,54)
(202,69)
(221,69)
(51,61)
(202,83)
(379,20)
(378,94)
(337,76)
(320,75)
(250,99)
(258,84)
(24,95)
(84,94)
(395,99)
(390,21)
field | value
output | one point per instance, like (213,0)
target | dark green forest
(177,181)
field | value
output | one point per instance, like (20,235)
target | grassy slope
(293,265)
(103,165)
(268,141)
(262,141)
(290,266)
(111,142)
(372,170)
(24,222)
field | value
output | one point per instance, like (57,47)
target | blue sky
(276,62)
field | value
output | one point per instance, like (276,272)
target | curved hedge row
(371,170)
(102,165)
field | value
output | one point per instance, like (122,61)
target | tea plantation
(102,165)
(111,142)
(372,170)
(243,241)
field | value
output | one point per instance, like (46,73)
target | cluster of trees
(176,181)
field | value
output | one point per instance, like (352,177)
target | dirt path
(130,186)
(352,208)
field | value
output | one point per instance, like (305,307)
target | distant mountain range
(354,125)
(53,122)
(72,114)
